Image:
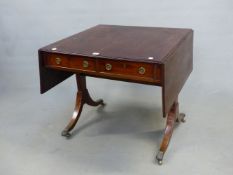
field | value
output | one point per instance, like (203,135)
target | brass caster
(159,157)
(65,133)
(182,117)
(160,162)
(102,103)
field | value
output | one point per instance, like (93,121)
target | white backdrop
(124,138)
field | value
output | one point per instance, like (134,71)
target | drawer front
(127,70)
(57,60)
(143,70)
(81,63)
(70,62)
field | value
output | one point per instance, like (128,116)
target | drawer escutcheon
(85,64)
(58,60)
(108,66)
(141,70)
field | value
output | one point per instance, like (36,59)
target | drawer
(70,62)
(82,63)
(57,60)
(127,68)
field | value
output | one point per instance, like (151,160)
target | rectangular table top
(141,44)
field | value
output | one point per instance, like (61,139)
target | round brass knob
(141,70)
(85,64)
(58,60)
(108,66)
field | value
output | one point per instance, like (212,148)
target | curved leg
(173,116)
(76,115)
(83,97)
(91,102)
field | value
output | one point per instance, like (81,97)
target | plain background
(122,138)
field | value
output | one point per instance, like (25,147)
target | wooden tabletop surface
(142,44)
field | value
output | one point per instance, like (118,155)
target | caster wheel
(182,117)
(66,134)
(103,104)
(159,157)
(160,162)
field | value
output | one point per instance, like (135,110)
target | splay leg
(172,117)
(76,114)
(82,97)
(91,102)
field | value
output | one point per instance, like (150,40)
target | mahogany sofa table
(147,55)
